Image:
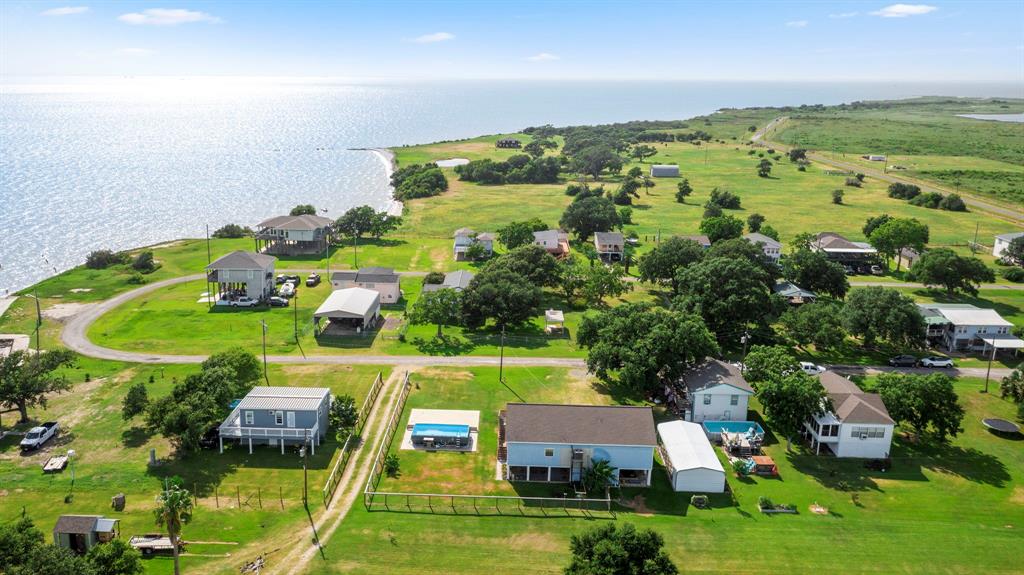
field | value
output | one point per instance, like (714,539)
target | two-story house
(556,443)
(465,237)
(242,273)
(964,327)
(1002,242)
(383,280)
(556,242)
(279,415)
(305,234)
(841,250)
(716,390)
(610,246)
(771,247)
(858,425)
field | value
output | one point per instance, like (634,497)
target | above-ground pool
(440,435)
(717,427)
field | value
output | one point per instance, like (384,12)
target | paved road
(917,285)
(1014,216)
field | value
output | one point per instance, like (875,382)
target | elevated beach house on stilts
(241,273)
(279,415)
(859,425)
(293,235)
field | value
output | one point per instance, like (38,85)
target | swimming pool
(717,427)
(440,434)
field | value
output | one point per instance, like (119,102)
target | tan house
(556,242)
(291,235)
(241,273)
(610,246)
(383,280)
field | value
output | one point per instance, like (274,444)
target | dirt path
(350,488)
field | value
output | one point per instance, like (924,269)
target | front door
(290,418)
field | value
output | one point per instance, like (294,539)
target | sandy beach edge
(387,158)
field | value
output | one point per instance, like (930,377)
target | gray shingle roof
(1009,237)
(75,524)
(852,405)
(376,275)
(700,239)
(714,372)
(757,238)
(303,222)
(605,238)
(242,260)
(579,424)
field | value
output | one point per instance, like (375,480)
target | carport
(352,308)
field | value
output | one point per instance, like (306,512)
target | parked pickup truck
(37,436)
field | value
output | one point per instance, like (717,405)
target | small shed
(665,171)
(80,533)
(554,321)
(355,307)
(689,458)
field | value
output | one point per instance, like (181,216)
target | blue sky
(941,41)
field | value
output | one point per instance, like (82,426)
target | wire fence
(389,433)
(348,446)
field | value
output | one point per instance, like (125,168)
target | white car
(286,290)
(935,361)
(244,301)
(811,369)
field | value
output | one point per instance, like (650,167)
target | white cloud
(433,38)
(65,11)
(904,10)
(166,17)
(797,24)
(136,52)
(843,15)
(543,57)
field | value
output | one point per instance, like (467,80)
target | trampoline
(1000,425)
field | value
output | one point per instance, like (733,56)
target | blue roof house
(279,415)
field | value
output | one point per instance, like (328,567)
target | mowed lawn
(112,456)
(956,508)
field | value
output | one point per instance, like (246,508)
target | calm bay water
(88,164)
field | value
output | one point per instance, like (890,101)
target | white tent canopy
(350,303)
(690,458)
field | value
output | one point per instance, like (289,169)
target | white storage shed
(690,459)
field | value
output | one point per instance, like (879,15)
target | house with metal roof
(793,293)
(964,327)
(771,247)
(690,458)
(457,280)
(465,238)
(351,308)
(1002,242)
(277,416)
(383,280)
(858,425)
(610,246)
(80,533)
(242,273)
(291,235)
(715,390)
(556,443)
(664,171)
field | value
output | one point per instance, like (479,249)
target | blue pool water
(440,430)
(732,427)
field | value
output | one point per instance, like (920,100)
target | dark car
(903,361)
(292,278)
(313,280)
(210,439)
(277,301)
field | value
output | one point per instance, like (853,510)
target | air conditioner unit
(863,436)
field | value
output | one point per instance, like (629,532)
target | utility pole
(265,376)
(974,246)
(990,359)
(295,300)
(39,318)
(355,252)
(501,360)
(209,260)
(745,339)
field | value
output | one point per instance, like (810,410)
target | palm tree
(598,476)
(175,510)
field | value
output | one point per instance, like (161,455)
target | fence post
(238,496)
(280,495)
(259,496)
(216,495)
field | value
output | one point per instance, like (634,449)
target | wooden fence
(389,433)
(348,446)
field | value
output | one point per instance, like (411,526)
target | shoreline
(387,158)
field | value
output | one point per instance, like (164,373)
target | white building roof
(987,317)
(687,446)
(554,315)
(1009,237)
(759,238)
(289,398)
(355,301)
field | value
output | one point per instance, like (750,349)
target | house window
(248,418)
(734,400)
(548,452)
(707,399)
(982,329)
(278,418)
(874,432)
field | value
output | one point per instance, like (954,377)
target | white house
(465,237)
(383,280)
(716,390)
(242,273)
(556,242)
(964,327)
(1003,241)
(556,443)
(689,458)
(610,246)
(771,247)
(457,280)
(858,426)
(664,171)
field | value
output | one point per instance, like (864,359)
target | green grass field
(112,455)
(919,517)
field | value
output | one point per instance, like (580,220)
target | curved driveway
(75,337)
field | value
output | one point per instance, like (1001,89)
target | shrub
(433,278)
(392,466)
(419,181)
(1014,274)
(801,168)
(902,191)
(232,231)
(930,200)
(100,259)
(739,466)
(137,279)
(725,199)
(144,262)
(712,210)
(853,182)
(953,203)
(837,196)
